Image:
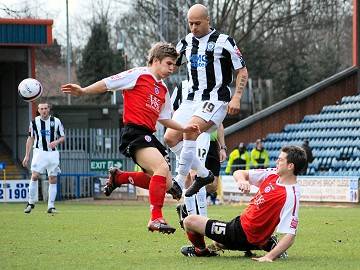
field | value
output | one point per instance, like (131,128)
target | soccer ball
(30,89)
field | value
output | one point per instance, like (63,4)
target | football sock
(177,149)
(196,239)
(52,195)
(33,189)
(199,167)
(187,156)
(139,179)
(190,205)
(157,189)
(201,202)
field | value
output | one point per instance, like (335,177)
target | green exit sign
(104,164)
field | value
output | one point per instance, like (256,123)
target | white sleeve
(166,109)
(237,59)
(31,130)
(257,176)
(60,130)
(289,216)
(124,80)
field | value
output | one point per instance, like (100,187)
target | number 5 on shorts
(219,228)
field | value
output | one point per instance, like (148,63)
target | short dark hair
(162,50)
(297,156)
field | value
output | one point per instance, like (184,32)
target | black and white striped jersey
(45,131)
(179,94)
(211,61)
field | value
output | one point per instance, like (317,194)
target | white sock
(52,195)
(187,155)
(177,149)
(190,205)
(180,179)
(33,191)
(199,167)
(201,202)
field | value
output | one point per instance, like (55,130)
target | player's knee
(162,169)
(172,138)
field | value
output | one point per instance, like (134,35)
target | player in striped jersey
(197,204)
(45,134)
(275,205)
(211,59)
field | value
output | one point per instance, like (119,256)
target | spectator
(239,159)
(309,154)
(259,156)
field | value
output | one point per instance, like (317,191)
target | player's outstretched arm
(169,123)
(284,244)
(76,90)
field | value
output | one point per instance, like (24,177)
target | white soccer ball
(30,89)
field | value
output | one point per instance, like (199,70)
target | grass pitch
(114,236)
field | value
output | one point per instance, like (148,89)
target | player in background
(211,58)
(146,101)
(275,205)
(46,132)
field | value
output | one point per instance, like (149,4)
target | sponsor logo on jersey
(210,46)
(147,138)
(198,60)
(45,132)
(259,200)
(153,103)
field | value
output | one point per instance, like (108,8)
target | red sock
(139,179)
(196,239)
(157,189)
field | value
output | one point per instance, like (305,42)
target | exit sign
(104,164)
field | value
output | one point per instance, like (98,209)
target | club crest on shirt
(210,46)
(268,188)
(147,138)
(157,89)
(52,123)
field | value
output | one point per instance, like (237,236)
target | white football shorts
(214,111)
(45,161)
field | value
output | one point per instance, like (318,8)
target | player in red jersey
(275,205)
(146,101)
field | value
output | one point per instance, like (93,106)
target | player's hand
(244,187)
(192,128)
(262,259)
(25,161)
(53,144)
(233,107)
(222,155)
(72,89)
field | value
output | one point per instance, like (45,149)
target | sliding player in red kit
(146,101)
(274,207)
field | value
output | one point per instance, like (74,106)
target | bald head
(199,20)
(199,11)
